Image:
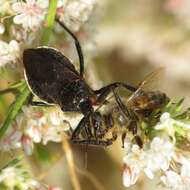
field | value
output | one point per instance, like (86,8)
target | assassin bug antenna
(77,44)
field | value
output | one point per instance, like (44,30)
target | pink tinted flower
(11,139)
(27,144)
(34,133)
(30,13)
(130,175)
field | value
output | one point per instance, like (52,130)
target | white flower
(73,119)
(155,156)
(134,164)
(171,180)
(11,139)
(17,177)
(185,171)
(158,156)
(34,132)
(130,175)
(9,52)
(77,12)
(135,157)
(168,124)
(179,180)
(56,117)
(53,130)
(27,144)
(53,134)
(35,125)
(30,13)
(9,176)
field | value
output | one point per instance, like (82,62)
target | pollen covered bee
(140,104)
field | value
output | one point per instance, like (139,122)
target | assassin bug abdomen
(54,79)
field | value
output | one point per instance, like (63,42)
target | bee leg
(123,138)
(77,45)
(123,108)
(133,128)
(138,141)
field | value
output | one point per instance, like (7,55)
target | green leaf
(178,105)
(180,130)
(12,162)
(15,108)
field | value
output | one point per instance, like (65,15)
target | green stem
(14,109)
(49,22)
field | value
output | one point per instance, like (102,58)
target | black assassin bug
(53,78)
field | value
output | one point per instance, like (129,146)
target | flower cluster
(15,176)
(9,52)
(75,13)
(37,125)
(31,13)
(161,155)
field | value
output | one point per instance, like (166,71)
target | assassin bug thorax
(53,78)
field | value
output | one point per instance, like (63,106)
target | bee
(128,112)
(141,103)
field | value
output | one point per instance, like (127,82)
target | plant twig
(85,173)
(69,157)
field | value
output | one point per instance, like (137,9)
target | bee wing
(147,83)
(151,79)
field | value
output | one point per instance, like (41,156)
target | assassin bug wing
(47,71)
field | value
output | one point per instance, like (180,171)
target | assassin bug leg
(104,91)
